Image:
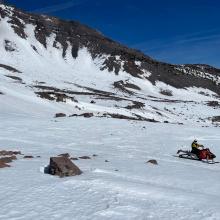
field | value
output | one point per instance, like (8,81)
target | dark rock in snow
(152,161)
(85,157)
(63,166)
(166,92)
(64,155)
(28,157)
(215,119)
(74,158)
(87,115)
(58,115)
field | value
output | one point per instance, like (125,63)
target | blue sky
(175,31)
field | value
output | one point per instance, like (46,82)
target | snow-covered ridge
(83,72)
(200,73)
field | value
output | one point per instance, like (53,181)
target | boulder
(63,166)
(152,161)
(58,115)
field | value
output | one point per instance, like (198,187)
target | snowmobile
(204,155)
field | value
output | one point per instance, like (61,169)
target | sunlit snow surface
(175,189)
(124,188)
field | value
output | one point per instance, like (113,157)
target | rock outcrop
(63,166)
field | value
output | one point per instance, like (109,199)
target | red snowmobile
(204,155)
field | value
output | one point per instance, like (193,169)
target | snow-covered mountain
(50,66)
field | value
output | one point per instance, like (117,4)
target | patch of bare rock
(7,157)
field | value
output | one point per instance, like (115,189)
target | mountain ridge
(64,61)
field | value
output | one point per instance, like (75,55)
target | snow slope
(38,81)
(126,187)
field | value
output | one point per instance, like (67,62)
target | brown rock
(3,165)
(8,153)
(63,166)
(8,159)
(85,157)
(58,115)
(152,162)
